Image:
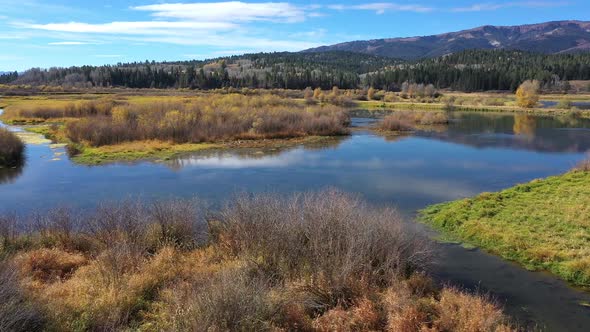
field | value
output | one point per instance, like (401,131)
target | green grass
(543,224)
(136,151)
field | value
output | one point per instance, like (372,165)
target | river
(475,153)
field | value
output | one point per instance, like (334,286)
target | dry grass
(16,311)
(11,149)
(321,261)
(410,308)
(584,165)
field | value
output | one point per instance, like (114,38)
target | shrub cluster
(318,261)
(11,149)
(208,119)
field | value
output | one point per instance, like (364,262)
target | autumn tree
(308,96)
(317,93)
(527,94)
(371,93)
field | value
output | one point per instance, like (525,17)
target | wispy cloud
(133,28)
(232,11)
(382,7)
(522,4)
(222,24)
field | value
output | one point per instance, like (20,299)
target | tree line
(471,70)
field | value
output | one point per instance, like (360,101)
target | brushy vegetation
(319,261)
(544,224)
(410,120)
(11,149)
(211,118)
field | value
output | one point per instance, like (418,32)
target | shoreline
(527,214)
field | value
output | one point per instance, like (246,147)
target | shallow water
(475,153)
(583,105)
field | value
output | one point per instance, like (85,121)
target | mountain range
(549,38)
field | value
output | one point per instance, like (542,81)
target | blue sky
(46,33)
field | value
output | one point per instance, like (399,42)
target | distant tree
(308,96)
(527,94)
(335,91)
(317,93)
(429,91)
(371,93)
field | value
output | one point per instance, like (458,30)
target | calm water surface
(476,153)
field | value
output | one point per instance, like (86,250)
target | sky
(60,33)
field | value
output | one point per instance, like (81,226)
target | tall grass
(315,261)
(11,149)
(584,165)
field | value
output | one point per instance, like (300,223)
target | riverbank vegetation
(318,261)
(11,149)
(148,126)
(543,225)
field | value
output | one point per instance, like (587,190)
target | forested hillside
(263,70)
(471,70)
(482,70)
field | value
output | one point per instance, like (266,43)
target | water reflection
(524,125)
(9,175)
(254,158)
(516,131)
(583,105)
(235,161)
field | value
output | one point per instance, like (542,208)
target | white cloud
(495,6)
(231,11)
(141,27)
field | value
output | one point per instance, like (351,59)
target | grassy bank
(11,149)
(320,261)
(543,225)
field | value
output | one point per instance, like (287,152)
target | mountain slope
(549,37)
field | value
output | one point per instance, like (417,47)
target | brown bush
(148,227)
(48,265)
(333,238)
(231,300)
(461,312)
(445,310)
(364,316)
(11,149)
